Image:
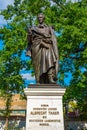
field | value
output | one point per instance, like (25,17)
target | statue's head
(41,18)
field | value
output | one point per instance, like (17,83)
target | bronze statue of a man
(42,48)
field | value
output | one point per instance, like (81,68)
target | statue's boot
(55,78)
(50,76)
(51,81)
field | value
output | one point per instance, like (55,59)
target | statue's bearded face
(40,18)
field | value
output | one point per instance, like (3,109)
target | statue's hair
(41,14)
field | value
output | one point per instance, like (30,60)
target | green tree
(73,52)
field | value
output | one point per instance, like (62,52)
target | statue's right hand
(44,45)
(28,53)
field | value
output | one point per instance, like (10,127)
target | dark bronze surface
(44,86)
(42,48)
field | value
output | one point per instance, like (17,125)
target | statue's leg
(54,75)
(37,79)
(44,79)
(51,75)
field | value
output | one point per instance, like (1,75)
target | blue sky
(25,74)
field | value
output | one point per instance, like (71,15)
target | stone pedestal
(44,107)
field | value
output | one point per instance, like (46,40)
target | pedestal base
(44,107)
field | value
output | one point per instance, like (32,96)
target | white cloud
(4,3)
(28,76)
(2,20)
(31,83)
(73,1)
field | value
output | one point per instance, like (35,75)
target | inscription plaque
(45,114)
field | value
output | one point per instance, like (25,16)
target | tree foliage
(69,20)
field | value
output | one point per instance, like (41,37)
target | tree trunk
(6,123)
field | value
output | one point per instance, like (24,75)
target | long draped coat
(42,48)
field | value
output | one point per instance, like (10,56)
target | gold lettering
(52,120)
(44,124)
(44,105)
(44,117)
(35,120)
(52,108)
(53,113)
(38,112)
(39,108)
